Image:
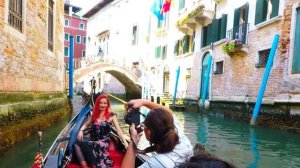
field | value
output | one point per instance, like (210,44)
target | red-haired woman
(95,151)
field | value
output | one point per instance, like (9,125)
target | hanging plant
(231,46)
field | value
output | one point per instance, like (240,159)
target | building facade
(31,46)
(31,68)
(76,26)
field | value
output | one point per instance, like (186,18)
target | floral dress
(96,150)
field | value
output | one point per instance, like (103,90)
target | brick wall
(25,62)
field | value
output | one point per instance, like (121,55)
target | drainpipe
(71,67)
(265,80)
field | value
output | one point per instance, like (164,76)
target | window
(184,45)
(50,25)
(218,69)
(263,56)
(214,31)
(181,4)
(83,53)
(164,52)
(67,23)
(83,40)
(15,14)
(265,10)
(188,74)
(78,39)
(66,51)
(240,24)
(134,35)
(163,23)
(66,36)
(81,26)
(296,53)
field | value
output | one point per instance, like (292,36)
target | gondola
(60,153)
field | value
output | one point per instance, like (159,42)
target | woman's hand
(80,135)
(126,144)
(137,103)
(134,134)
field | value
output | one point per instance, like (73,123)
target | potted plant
(232,46)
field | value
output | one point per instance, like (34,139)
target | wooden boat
(60,153)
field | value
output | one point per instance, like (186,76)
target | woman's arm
(130,155)
(119,131)
(137,103)
(82,128)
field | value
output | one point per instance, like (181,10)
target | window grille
(15,14)
(263,58)
(50,25)
(219,68)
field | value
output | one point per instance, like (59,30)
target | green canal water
(231,140)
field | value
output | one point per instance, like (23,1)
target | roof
(75,9)
(96,8)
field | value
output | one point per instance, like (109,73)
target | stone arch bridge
(129,80)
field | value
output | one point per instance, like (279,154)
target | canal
(231,140)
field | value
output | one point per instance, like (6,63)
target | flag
(166,6)
(157,9)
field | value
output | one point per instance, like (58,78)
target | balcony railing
(239,32)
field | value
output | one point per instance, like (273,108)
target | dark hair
(203,159)
(164,137)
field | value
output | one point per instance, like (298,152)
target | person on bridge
(166,137)
(95,152)
(93,85)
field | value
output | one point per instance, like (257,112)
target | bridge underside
(133,91)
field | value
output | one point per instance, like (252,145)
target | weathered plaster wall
(26,64)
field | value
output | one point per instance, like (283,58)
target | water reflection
(254,149)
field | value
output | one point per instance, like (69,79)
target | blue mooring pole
(71,45)
(265,80)
(176,85)
(206,81)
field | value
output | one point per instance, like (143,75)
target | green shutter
(209,34)
(261,11)
(275,7)
(193,42)
(236,22)
(296,56)
(155,53)
(215,36)
(176,48)
(223,26)
(184,44)
(204,37)
(246,12)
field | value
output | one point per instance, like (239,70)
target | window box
(230,47)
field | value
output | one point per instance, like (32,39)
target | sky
(86,5)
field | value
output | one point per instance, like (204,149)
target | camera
(133,117)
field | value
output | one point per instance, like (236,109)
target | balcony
(239,32)
(196,17)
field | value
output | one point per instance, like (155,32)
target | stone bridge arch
(129,80)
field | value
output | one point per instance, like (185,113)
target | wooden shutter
(215,36)
(176,48)
(236,22)
(223,26)
(296,56)
(209,34)
(246,12)
(260,13)
(204,37)
(275,7)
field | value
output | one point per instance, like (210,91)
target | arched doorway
(203,74)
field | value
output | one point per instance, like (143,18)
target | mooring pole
(176,85)
(71,45)
(206,82)
(264,81)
